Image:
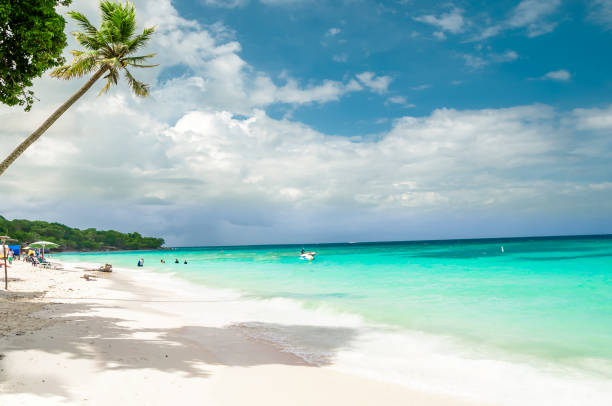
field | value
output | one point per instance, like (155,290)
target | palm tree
(108,52)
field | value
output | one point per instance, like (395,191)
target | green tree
(31,41)
(25,231)
(108,52)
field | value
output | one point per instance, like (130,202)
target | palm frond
(136,61)
(83,63)
(109,47)
(140,40)
(84,23)
(118,21)
(88,41)
(139,88)
(126,22)
(112,77)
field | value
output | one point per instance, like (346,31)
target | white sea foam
(434,363)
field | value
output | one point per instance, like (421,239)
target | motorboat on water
(308,256)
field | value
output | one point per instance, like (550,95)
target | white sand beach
(119,339)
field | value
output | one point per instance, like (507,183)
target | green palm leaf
(110,47)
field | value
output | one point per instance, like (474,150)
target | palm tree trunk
(48,122)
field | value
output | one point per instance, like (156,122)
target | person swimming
(185,262)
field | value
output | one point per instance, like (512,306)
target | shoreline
(120,338)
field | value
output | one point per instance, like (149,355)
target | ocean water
(529,325)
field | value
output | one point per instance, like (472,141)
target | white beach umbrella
(43,244)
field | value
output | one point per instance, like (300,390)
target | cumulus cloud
(224,3)
(284,2)
(249,172)
(593,119)
(530,14)
(533,16)
(378,84)
(507,56)
(484,59)
(601,12)
(451,21)
(560,75)
(201,161)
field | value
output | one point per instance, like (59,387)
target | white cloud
(397,100)
(530,15)
(421,87)
(439,35)
(340,58)
(508,56)
(225,3)
(474,61)
(284,2)
(530,12)
(601,12)
(560,75)
(593,119)
(200,161)
(333,32)
(378,84)
(479,61)
(400,100)
(267,92)
(256,171)
(451,21)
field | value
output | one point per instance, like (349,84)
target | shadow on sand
(115,344)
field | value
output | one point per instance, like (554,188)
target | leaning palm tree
(108,52)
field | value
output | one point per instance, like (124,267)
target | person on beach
(176,261)
(141,262)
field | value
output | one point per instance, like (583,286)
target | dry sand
(111,340)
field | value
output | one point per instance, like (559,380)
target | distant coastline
(24,232)
(418,241)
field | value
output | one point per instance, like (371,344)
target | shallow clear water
(547,299)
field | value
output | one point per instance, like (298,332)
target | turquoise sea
(541,308)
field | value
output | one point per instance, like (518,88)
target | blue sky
(295,121)
(316,40)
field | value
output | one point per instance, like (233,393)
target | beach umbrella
(43,244)
(4,239)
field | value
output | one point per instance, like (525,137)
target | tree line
(26,231)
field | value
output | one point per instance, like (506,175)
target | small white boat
(309,256)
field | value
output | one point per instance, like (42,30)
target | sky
(301,121)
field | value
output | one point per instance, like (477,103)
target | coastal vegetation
(109,51)
(26,231)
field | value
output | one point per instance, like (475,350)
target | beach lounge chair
(49,265)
